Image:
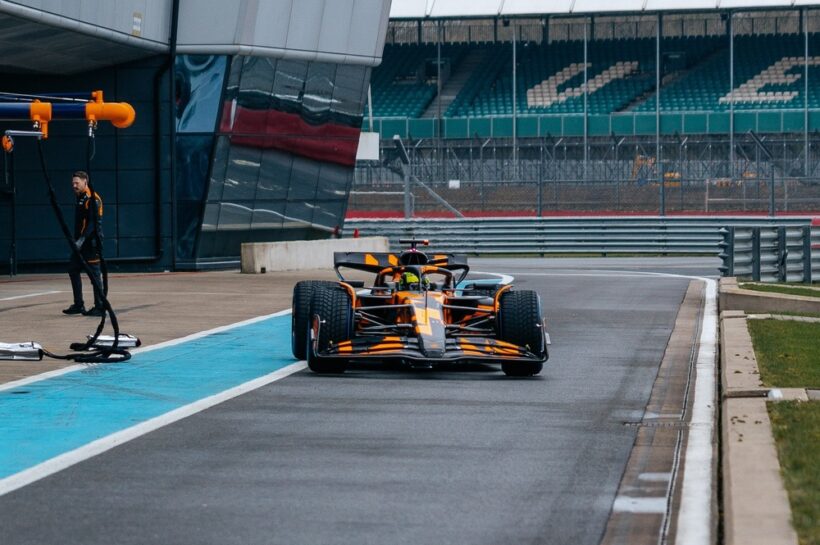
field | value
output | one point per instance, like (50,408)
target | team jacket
(84,226)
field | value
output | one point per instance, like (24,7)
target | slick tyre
(331,322)
(300,315)
(519,323)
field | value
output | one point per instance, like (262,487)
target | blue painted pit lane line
(58,416)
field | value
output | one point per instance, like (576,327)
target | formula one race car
(420,311)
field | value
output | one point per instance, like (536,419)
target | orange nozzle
(8,144)
(40,113)
(120,114)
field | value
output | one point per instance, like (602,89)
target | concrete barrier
(756,509)
(297,255)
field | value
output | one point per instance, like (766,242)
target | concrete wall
(304,254)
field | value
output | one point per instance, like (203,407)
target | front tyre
(519,322)
(331,323)
(300,315)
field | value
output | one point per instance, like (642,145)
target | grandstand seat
(768,75)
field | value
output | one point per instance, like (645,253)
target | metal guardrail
(815,251)
(572,125)
(498,236)
(769,253)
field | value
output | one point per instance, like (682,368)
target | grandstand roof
(435,9)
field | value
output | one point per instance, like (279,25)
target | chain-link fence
(704,174)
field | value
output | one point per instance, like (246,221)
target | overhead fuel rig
(41,110)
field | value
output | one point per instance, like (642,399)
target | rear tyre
(300,315)
(331,323)
(519,323)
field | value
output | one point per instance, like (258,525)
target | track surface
(392,456)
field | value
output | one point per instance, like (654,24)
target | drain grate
(675,424)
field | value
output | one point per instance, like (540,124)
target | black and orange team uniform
(85,229)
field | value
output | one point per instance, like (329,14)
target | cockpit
(410,281)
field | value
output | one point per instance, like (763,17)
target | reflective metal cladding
(265,150)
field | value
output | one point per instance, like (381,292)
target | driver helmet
(410,280)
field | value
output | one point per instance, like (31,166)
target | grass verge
(780,288)
(800,314)
(796,428)
(787,352)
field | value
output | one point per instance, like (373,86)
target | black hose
(89,353)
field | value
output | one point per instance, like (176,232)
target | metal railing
(769,253)
(547,176)
(815,252)
(572,125)
(538,236)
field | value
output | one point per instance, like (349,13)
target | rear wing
(376,261)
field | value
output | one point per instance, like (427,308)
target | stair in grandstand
(668,79)
(640,99)
(495,62)
(453,86)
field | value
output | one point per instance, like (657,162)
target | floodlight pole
(804,16)
(586,107)
(514,103)
(438,77)
(439,143)
(658,162)
(731,95)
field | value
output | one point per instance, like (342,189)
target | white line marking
(695,514)
(649,415)
(220,329)
(41,376)
(49,467)
(619,274)
(29,295)
(505,278)
(165,344)
(626,504)
(655,477)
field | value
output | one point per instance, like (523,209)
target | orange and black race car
(421,311)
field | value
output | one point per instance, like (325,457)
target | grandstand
(768,70)
(632,100)
(621,76)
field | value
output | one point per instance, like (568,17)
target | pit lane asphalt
(393,456)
